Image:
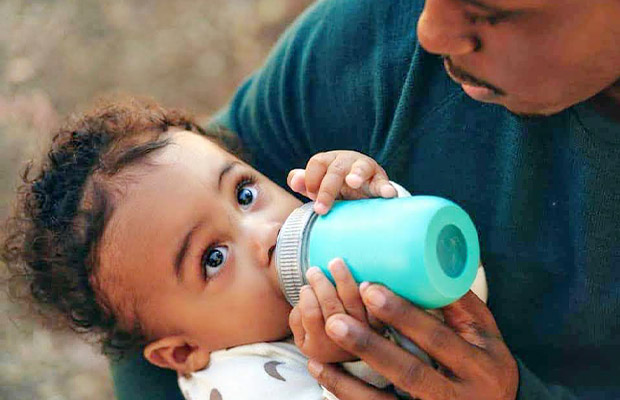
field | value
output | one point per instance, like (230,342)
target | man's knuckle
(395,311)
(439,337)
(330,381)
(413,375)
(363,343)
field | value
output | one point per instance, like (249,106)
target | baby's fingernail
(304,288)
(375,297)
(337,328)
(388,191)
(336,267)
(312,272)
(315,368)
(363,286)
(320,208)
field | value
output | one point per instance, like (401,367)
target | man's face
(531,56)
(189,248)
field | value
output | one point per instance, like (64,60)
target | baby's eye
(246,195)
(213,259)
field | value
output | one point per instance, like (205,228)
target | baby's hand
(340,174)
(318,302)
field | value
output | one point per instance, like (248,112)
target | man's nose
(444,29)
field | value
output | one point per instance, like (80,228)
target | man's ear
(175,352)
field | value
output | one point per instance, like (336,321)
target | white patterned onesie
(262,371)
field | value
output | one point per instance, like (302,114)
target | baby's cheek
(272,315)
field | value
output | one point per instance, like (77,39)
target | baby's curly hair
(51,243)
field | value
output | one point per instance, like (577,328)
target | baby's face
(192,238)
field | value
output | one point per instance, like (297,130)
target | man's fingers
(437,339)
(343,385)
(400,367)
(470,311)
(347,290)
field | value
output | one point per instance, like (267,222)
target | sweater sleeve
(532,388)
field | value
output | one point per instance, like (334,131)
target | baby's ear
(175,352)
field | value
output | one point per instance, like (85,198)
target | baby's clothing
(256,371)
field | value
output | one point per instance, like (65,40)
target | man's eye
(491,20)
(246,195)
(213,259)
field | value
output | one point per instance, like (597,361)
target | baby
(147,230)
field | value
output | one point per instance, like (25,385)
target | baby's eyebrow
(182,251)
(226,169)
(184,245)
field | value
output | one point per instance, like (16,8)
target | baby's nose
(264,241)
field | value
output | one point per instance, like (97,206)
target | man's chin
(531,110)
(524,114)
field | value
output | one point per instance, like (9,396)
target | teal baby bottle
(424,248)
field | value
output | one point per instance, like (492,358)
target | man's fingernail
(315,368)
(337,328)
(375,298)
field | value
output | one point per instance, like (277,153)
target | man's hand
(317,303)
(340,174)
(475,362)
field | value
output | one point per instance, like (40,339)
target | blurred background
(58,56)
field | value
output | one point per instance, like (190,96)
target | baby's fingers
(361,172)
(369,177)
(294,321)
(331,185)
(380,186)
(325,292)
(312,320)
(347,290)
(296,180)
(316,170)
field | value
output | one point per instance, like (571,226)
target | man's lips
(472,86)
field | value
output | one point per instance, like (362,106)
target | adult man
(536,169)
